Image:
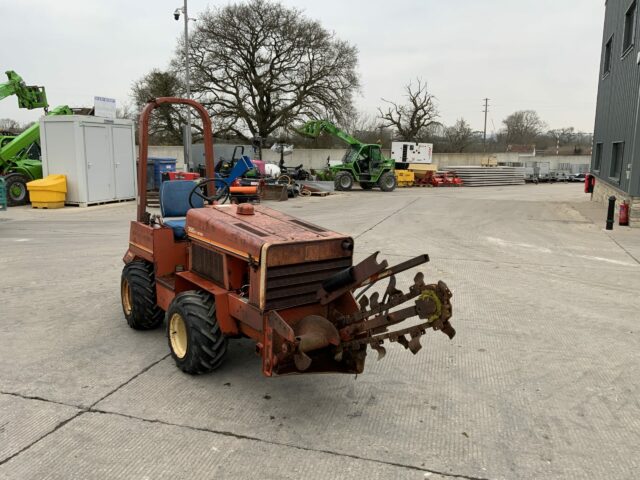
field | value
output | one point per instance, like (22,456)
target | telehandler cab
(216,272)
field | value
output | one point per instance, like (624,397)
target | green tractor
(362,162)
(20,154)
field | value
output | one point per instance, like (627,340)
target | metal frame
(144,145)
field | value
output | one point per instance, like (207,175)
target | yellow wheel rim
(178,335)
(125,293)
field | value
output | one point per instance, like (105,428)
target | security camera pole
(187,131)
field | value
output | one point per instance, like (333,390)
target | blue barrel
(150,178)
(161,165)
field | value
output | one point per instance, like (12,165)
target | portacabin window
(597,161)
(629,27)
(606,66)
(617,156)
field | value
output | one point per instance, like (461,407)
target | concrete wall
(603,190)
(317,158)
(309,158)
(176,152)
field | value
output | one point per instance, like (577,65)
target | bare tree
(522,127)
(563,135)
(459,136)
(260,66)
(9,125)
(410,120)
(166,123)
(126,111)
(364,127)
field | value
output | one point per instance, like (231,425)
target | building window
(598,157)
(607,57)
(616,160)
(629,28)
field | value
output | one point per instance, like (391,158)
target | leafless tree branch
(411,119)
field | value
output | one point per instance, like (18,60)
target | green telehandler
(20,154)
(362,162)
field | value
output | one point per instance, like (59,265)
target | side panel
(170,256)
(141,240)
(59,155)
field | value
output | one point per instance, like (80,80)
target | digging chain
(432,304)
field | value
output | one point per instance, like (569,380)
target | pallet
(93,204)
(318,194)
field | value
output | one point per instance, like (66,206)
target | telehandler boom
(20,154)
(362,162)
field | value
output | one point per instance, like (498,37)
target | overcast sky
(525,54)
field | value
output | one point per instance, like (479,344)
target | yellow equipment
(49,192)
(404,178)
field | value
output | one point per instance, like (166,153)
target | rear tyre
(17,193)
(343,181)
(196,342)
(387,182)
(366,185)
(138,295)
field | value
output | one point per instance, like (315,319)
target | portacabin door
(99,164)
(123,162)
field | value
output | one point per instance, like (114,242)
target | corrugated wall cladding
(618,99)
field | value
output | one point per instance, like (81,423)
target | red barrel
(623,217)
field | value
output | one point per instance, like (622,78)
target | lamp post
(187,132)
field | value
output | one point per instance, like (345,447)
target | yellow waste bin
(49,192)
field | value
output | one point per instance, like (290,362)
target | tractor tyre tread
(337,182)
(382,182)
(145,312)
(206,345)
(12,179)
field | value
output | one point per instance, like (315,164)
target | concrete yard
(541,381)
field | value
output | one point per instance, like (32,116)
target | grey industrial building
(615,159)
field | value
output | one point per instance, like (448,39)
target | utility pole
(484,136)
(187,129)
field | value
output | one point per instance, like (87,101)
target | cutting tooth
(402,340)
(414,344)
(418,280)
(381,351)
(392,291)
(374,300)
(364,303)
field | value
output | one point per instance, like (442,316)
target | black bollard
(611,212)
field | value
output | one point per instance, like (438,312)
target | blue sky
(541,55)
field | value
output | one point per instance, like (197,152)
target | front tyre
(343,181)
(17,193)
(387,182)
(196,342)
(138,295)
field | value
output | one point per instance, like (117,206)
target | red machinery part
(183,175)
(243,190)
(589,183)
(623,217)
